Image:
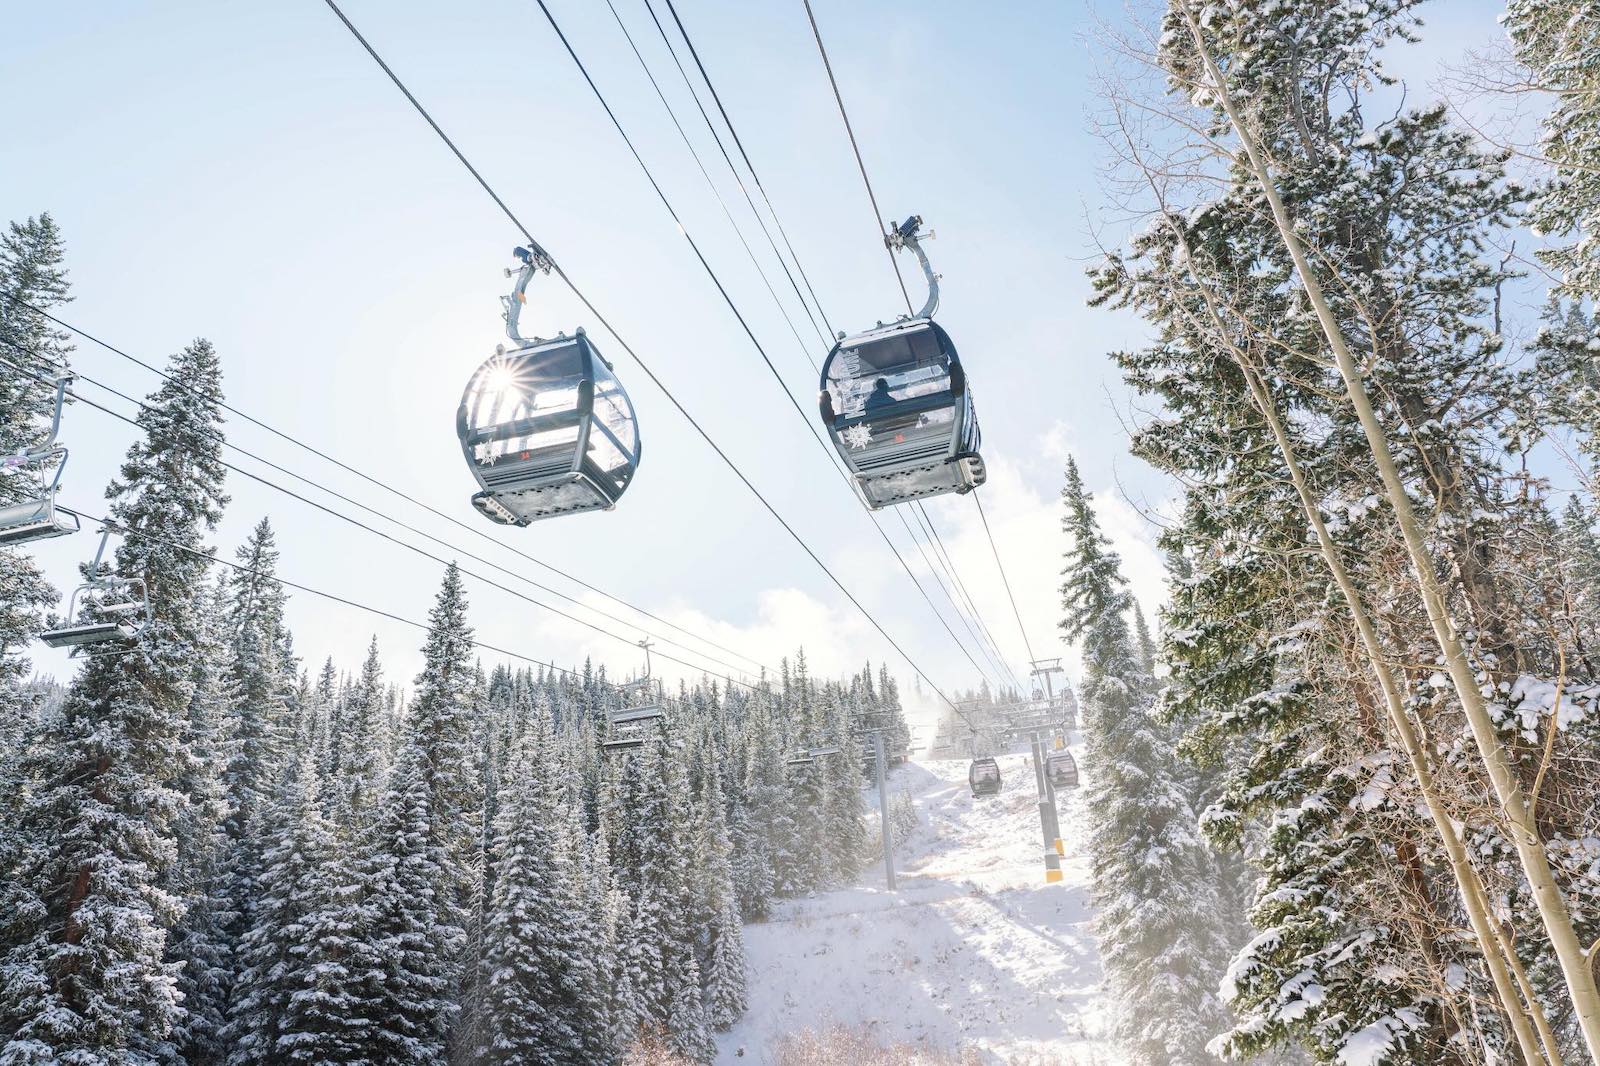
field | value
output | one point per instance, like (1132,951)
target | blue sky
(244,172)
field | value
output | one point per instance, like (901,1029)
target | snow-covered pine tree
(261,752)
(472,1024)
(600,920)
(324,706)
(538,1004)
(30,269)
(1410,289)
(845,833)
(1154,883)
(1580,548)
(685,1019)
(33,280)
(1143,645)
(439,730)
(85,977)
(295,1000)
(660,955)
(1564,389)
(717,915)
(360,759)
(891,710)
(407,984)
(761,820)
(1558,44)
(200,941)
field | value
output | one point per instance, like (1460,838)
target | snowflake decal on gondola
(858,436)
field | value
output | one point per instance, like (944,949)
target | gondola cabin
(984,777)
(547,430)
(897,407)
(1062,769)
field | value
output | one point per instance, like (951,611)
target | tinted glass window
(900,366)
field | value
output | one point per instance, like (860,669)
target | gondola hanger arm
(534,259)
(906,235)
(46,449)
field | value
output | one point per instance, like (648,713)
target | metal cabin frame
(885,476)
(119,621)
(565,479)
(36,516)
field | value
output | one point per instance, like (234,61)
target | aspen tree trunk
(1508,790)
(1473,897)
(1469,885)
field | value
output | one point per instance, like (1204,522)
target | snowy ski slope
(975,951)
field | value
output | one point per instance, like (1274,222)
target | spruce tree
(408,989)
(536,997)
(1557,43)
(439,732)
(30,271)
(359,731)
(86,917)
(31,276)
(293,998)
(200,941)
(1154,883)
(262,752)
(722,961)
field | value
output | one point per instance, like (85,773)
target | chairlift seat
(122,619)
(35,519)
(547,430)
(637,715)
(624,742)
(36,516)
(88,634)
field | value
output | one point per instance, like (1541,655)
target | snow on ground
(975,951)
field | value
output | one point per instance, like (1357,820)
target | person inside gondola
(879,397)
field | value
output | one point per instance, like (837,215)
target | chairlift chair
(808,756)
(35,516)
(895,401)
(640,715)
(630,725)
(984,777)
(1062,769)
(119,609)
(546,427)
